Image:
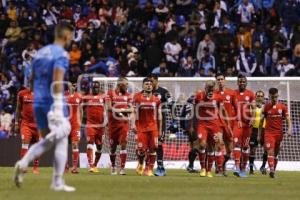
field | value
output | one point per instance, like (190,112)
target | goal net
(176,149)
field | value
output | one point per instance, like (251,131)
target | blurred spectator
(284,66)
(75,54)
(187,67)
(172,50)
(207,62)
(246,12)
(161,70)
(205,43)
(244,38)
(246,63)
(6,119)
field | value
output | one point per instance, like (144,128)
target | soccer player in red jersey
(74,100)
(148,126)
(94,111)
(274,113)
(28,129)
(243,127)
(209,129)
(229,103)
(119,105)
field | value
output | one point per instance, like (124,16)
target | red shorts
(118,134)
(29,134)
(94,135)
(74,134)
(242,135)
(147,140)
(208,133)
(273,141)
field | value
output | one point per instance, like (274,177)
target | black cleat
(263,171)
(191,170)
(251,172)
(272,174)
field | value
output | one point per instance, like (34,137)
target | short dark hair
(61,27)
(273,91)
(241,76)
(219,74)
(147,79)
(154,76)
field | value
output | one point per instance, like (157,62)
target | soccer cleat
(243,174)
(35,170)
(160,171)
(122,172)
(236,172)
(19,174)
(272,174)
(62,188)
(191,170)
(209,174)
(251,172)
(113,171)
(224,174)
(94,170)
(202,172)
(140,170)
(75,171)
(263,171)
(148,172)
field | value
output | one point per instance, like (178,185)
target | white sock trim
(123,151)
(90,146)
(25,146)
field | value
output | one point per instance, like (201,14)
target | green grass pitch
(178,184)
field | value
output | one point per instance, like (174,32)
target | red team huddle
(224,125)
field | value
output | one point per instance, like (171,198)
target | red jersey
(25,98)
(146,116)
(74,102)
(228,101)
(208,109)
(274,117)
(118,100)
(243,101)
(94,108)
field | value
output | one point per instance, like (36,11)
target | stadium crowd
(184,38)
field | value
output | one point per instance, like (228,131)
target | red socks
(123,157)
(202,157)
(237,157)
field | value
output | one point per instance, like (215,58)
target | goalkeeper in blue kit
(50,111)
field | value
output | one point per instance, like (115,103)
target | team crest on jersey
(101,100)
(280,111)
(227,97)
(236,139)
(125,98)
(214,102)
(200,135)
(247,98)
(159,96)
(77,100)
(268,145)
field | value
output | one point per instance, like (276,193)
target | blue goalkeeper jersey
(47,58)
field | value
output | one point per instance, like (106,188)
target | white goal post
(176,150)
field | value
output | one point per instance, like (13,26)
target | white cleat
(122,172)
(19,174)
(114,171)
(62,188)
